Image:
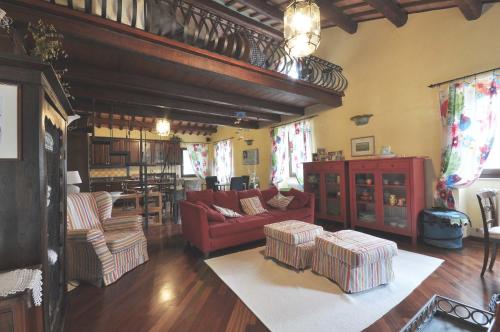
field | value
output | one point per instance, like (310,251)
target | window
(491,168)
(187,165)
(223,161)
(291,146)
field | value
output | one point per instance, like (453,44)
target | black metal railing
(187,23)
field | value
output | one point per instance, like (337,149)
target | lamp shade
(73,177)
(302,28)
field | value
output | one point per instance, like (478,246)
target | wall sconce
(361,120)
(249,141)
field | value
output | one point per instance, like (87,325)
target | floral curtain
(291,146)
(469,117)
(223,161)
(300,147)
(198,154)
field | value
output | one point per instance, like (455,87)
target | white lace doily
(17,281)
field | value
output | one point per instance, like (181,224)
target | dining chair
(211,182)
(491,229)
(237,184)
(246,181)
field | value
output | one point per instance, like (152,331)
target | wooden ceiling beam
(334,15)
(85,106)
(151,126)
(263,8)
(391,11)
(119,95)
(179,90)
(471,9)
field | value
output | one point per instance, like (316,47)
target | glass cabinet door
(394,189)
(312,185)
(366,211)
(333,194)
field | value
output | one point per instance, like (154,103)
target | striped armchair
(100,249)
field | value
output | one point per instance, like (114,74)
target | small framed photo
(321,151)
(251,157)
(315,157)
(363,146)
(10,121)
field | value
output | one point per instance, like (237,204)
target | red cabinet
(387,194)
(327,180)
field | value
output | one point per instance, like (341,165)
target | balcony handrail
(195,26)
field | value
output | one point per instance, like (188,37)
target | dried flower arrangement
(48,46)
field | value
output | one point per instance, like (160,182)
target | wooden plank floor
(177,291)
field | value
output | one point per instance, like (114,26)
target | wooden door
(334,194)
(134,152)
(313,184)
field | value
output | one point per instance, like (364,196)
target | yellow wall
(388,70)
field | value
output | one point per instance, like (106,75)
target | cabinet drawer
(359,165)
(393,164)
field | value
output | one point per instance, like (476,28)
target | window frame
(490,173)
(182,167)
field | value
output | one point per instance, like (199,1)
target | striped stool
(355,261)
(291,242)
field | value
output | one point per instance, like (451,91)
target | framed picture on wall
(363,146)
(10,121)
(251,157)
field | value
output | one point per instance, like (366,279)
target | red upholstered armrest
(123,223)
(195,225)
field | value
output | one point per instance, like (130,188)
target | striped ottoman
(355,261)
(291,242)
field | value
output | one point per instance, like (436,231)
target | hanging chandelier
(163,127)
(302,28)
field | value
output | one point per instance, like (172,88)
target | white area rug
(286,300)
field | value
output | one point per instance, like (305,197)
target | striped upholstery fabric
(83,212)
(104,204)
(102,253)
(252,206)
(355,261)
(280,201)
(291,242)
(293,231)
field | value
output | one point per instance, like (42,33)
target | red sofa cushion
(237,225)
(299,201)
(275,215)
(212,215)
(268,194)
(205,196)
(227,199)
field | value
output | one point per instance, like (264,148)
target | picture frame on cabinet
(10,121)
(363,146)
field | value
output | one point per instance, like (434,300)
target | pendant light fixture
(163,127)
(302,30)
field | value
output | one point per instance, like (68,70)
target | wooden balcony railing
(190,24)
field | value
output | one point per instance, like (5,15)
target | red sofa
(210,236)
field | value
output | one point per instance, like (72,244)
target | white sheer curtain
(223,161)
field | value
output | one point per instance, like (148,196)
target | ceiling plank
(86,106)
(471,9)
(334,15)
(390,10)
(179,90)
(119,95)
(263,8)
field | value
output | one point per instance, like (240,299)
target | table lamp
(72,178)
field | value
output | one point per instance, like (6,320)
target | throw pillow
(269,193)
(227,212)
(300,198)
(280,202)
(252,206)
(252,193)
(212,215)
